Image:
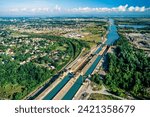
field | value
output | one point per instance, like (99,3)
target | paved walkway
(88,89)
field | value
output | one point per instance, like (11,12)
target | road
(88,89)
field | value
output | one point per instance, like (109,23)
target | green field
(97,96)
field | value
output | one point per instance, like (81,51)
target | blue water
(44,87)
(111,38)
(112,35)
(54,91)
(72,91)
(91,69)
(132,26)
(98,50)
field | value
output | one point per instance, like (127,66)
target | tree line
(128,71)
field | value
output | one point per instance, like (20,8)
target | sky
(73,7)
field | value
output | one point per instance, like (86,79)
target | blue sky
(59,7)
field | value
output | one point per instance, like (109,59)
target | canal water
(73,90)
(112,35)
(54,91)
(93,66)
(98,50)
(44,87)
(111,38)
(133,26)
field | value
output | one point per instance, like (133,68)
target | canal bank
(111,38)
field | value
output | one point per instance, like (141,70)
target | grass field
(97,96)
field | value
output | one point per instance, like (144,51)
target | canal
(112,35)
(111,38)
(54,91)
(73,90)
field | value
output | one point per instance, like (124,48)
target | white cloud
(39,9)
(131,8)
(29,10)
(24,9)
(14,10)
(56,8)
(33,9)
(120,8)
(137,9)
